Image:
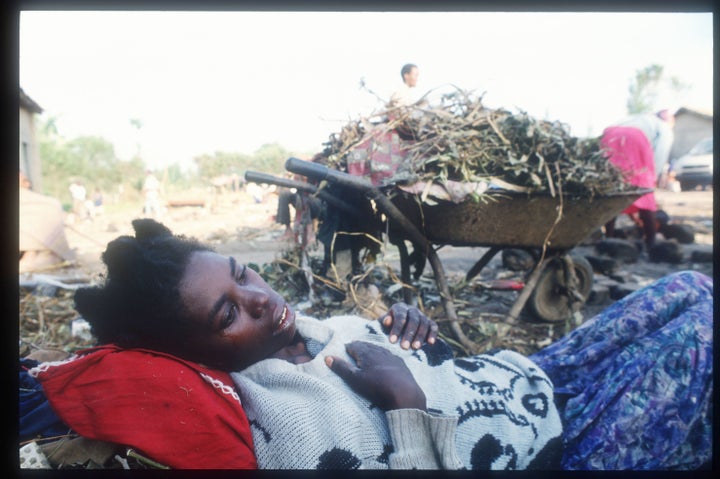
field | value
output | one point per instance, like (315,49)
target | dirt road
(237,225)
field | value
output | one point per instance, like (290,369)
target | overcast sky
(202,82)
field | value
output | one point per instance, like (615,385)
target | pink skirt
(629,149)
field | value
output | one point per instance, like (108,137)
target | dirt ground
(237,225)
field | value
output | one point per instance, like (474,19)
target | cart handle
(259,177)
(319,172)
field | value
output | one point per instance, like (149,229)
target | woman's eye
(229,317)
(241,277)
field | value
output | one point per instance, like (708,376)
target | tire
(687,185)
(548,302)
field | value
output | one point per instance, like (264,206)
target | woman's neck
(296,352)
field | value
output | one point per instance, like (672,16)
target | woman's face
(237,318)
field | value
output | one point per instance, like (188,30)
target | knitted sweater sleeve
(422,440)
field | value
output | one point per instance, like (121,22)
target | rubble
(665,251)
(619,249)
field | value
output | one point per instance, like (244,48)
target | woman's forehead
(205,264)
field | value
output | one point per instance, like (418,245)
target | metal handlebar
(319,172)
(258,177)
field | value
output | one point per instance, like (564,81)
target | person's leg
(637,379)
(283,208)
(649,227)
(610,228)
(285,199)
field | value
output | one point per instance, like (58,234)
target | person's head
(410,74)
(173,294)
(666,116)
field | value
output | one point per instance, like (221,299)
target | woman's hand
(409,325)
(379,376)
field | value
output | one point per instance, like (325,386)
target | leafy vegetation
(462,140)
(645,88)
(269,158)
(92,160)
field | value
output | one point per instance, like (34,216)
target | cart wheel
(550,300)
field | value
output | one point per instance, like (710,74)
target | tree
(91,159)
(137,124)
(270,158)
(221,163)
(646,87)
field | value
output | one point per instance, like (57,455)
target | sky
(201,82)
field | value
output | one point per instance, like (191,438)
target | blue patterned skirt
(634,384)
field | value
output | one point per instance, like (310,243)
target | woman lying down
(202,365)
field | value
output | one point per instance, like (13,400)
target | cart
(545,225)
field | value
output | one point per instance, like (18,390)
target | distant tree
(137,124)
(92,155)
(130,172)
(646,87)
(91,159)
(49,127)
(178,178)
(270,158)
(221,163)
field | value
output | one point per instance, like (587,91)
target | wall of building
(689,129)
(29,150)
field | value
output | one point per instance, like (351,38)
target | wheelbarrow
(546,225)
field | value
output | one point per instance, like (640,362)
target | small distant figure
(406,94)
(151,190)
(119,195)
(256,191)
(97,201)
(79,197)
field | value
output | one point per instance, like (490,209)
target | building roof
(703,113)
(28,103)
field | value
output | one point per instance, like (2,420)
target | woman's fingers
(416,341)
(379,376)
(342,368)
(409,326)
(412,326)
(398,313)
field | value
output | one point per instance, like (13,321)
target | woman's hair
(140,305)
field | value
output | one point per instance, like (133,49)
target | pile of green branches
(462,140)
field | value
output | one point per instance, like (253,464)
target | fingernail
(431,340)
(405,344)
(393,338)
(416,344)
(386,320)
(328,360)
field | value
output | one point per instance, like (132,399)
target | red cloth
(154,402)
(631,151)
(378,156)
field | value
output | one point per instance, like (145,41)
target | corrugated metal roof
(28,103)
(702,112)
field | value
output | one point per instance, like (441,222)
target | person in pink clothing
(636,146)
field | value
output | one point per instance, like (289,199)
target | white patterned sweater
(483,412)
